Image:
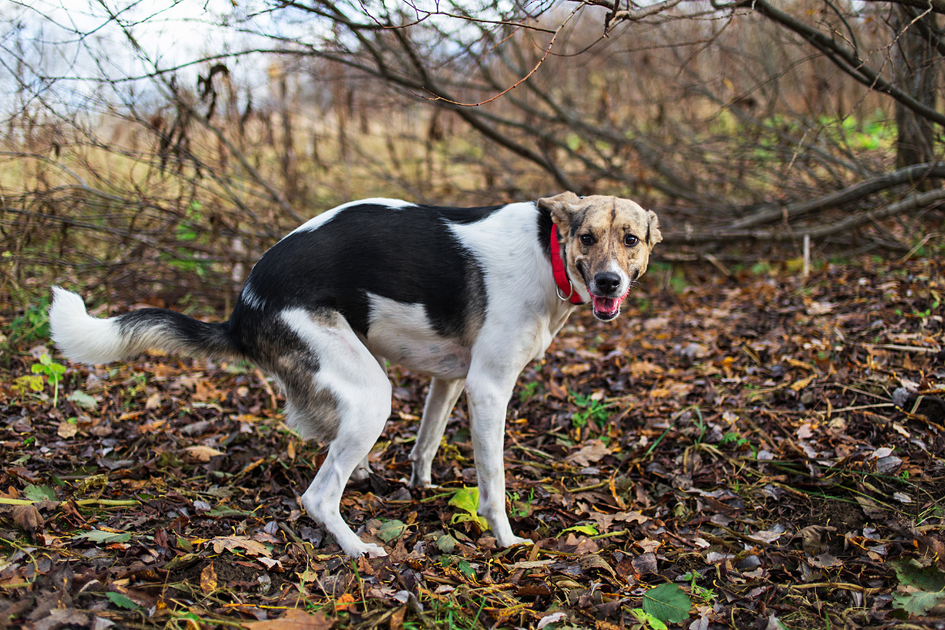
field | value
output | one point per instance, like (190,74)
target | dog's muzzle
(605,296)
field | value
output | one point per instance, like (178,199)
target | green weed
(32,325)
(52,371)
(529,391)
(595,410)
(733,437)
(521,508)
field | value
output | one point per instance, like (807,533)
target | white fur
(317,221)
(403,334)
(624,278)
(80,336)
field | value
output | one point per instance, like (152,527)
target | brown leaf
(814,538)
(61,618)
(674,389)
(638,368)
(154,401)
(346,603)
(804,382)
(206,392)
(594,561)
(577,546)
(558,391)
(645,563)
(67,429)
(625,568)
(27,518)
(235,543)
(203,453)
(293,619)
(573,369)
(606,521)
(397,618)
(592,452)
(208,579)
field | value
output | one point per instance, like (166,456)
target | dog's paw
(419,481)
(374,551)
(364,549)
(515,540)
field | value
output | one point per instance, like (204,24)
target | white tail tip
(80,336)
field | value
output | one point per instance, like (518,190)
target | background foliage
(162,145)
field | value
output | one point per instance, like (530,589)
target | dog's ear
(562,208)
(653,235)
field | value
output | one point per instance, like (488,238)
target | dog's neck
(564,287)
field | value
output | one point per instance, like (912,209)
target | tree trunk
(915,74)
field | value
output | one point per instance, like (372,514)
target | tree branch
(912,202)
(847,60)
(908,175)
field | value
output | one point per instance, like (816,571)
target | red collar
(564,289)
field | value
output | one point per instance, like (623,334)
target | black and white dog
(468,296)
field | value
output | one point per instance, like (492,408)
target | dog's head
(606,242)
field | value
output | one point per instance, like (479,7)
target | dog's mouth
(607,308)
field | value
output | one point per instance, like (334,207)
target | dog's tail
(88,339)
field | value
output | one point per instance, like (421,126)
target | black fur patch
(545,226)
(405,254)
(200,338)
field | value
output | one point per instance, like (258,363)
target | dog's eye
(630,240)
(587,239)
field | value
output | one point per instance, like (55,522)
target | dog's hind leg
(363,470)
(440,401)
(361,396)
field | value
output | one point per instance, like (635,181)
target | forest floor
(771,446)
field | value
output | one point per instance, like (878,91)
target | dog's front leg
(488,399)
(440,401)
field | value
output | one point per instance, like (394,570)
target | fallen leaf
(674,389)
(645,563)
(236,543)
(345,603)
(67,429)
(638,368)
(802,383)
(208,579)
(558,391)
(154,401)
(27,518)
(805,431)
(656,322)
(592,452)
(293,619)
(814,538)
(551,618)
(573,369)
(61,618)
(819,308)
(594,561)
(203,453)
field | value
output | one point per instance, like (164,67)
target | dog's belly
(402,334)
(440,358)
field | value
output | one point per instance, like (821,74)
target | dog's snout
(607,282)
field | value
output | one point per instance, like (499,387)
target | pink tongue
(606,305)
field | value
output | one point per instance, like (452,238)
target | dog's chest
(402,334)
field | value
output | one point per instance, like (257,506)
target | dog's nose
(607,282)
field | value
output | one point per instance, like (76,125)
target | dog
(467,296)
